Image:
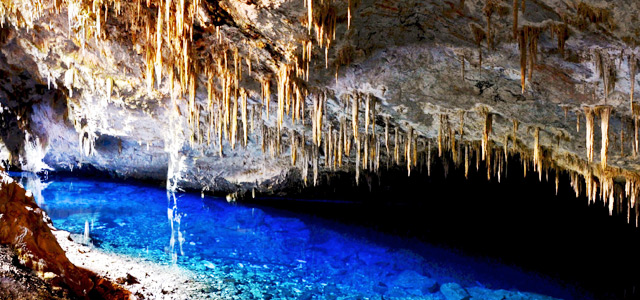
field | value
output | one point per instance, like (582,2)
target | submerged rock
(453,291)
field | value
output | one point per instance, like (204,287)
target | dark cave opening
(519,221)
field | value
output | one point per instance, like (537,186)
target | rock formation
(250,95)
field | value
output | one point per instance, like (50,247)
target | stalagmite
(605,113)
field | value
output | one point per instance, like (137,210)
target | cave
(319,149)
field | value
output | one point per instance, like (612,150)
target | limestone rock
(453,291)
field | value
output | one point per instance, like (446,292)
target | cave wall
(104,84)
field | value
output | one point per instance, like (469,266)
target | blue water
(262,252)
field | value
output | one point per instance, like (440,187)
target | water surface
(259,252)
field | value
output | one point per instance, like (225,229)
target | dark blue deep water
(270,253)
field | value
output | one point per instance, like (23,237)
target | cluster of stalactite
(606,68)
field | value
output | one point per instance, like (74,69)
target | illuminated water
(264,253)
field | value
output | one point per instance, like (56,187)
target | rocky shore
(29,244)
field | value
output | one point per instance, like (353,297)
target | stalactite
(244,117)
(396,147)
(515,20)
(486,132)
(159,35)
(461,128)
(462,67)
(632,78)
(367,113)
(357,140)
(557,182)
(386,134)
(578,121)
(537,154)
(506,146)
(489,8)
(522,45)
(294,147)
(515,133)
(315,164)
(452,140)
(429,158)
(354,115)
(621,142)
(266,95)
(408,150)
(605,113)
(589,115)
(440,133)
(365,152)
(234,123)
(466,161)
(635,135)
(341,137)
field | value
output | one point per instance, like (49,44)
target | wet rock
(413,280)
(478,293)
(17,282)
(453,291)
(129,279)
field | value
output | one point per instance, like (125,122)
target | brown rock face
(27,229)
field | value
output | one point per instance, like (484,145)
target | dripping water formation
(319,149)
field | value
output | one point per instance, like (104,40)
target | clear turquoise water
(266,253)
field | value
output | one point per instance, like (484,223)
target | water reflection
(175,218)
(32,182)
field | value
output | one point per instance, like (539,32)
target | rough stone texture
(406,55)
(21,283)
(27,230)
(453,291)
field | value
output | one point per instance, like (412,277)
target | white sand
(156,281)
